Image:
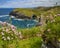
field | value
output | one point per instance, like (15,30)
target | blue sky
(26,3)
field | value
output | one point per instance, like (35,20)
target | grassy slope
(38,11)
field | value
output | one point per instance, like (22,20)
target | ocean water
(20,23)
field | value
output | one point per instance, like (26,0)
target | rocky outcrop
(19,15)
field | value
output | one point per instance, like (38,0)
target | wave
(19,19)
(35,20)
(3,16)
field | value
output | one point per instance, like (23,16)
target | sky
(27,3)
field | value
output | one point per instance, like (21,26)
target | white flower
(38,35)
(8,38)
(11,38)
(48,30)
(4,38)
(55,15)
(19,33)
(2,33)
(8,24)
(16,33)
(52,21)
(47,16)
(3,28)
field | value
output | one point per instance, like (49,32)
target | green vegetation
(32,37)
(39,10)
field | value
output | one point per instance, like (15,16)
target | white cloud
(27,3)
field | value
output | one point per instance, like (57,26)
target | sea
(20,23)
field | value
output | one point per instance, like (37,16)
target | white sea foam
(3,16)
(12,17)
(19,19)
(35,20)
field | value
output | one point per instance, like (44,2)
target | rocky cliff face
(19,15)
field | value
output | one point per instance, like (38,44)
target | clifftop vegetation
(38,11)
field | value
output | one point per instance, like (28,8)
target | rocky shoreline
(19,15)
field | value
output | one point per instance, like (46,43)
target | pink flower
(13,27)
(4,23)
(20,37)
(7,30)
(58,14)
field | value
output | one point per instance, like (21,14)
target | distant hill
(38,10)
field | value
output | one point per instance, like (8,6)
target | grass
(32,37)
(39,11)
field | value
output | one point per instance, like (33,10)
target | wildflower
(58,14)
(38,35)
(52,21)
(8,24)
(7,30)
(20,37)
(8,38)
(51,17)
(4,23)
(48,30)
(16,33)
(2,33)
(47,16)
(3,29)
(13,27)
(4,38)
(11,38)
(55,15)
(19,33)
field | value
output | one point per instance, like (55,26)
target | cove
(20,23)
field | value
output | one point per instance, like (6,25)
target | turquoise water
(4,16)
(18,22)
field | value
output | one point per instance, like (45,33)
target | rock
(19,15)
(34,16)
